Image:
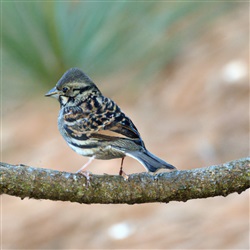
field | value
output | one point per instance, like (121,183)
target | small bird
(94,125)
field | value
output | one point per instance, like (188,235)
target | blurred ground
(196,116)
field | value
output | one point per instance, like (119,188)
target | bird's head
(72,84)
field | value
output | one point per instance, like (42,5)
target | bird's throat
(63,100)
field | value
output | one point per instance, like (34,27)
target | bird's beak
(53,93)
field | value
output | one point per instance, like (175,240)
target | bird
(94,125)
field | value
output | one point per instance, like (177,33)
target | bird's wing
(101,119)
(116,125)
(124,126)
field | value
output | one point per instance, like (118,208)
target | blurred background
(179,70)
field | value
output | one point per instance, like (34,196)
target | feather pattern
(94,125)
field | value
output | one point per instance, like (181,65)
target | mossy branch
(24,181)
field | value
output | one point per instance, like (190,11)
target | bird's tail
(150,161)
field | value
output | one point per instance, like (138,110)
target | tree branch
(24,181)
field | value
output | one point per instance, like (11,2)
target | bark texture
(38,183)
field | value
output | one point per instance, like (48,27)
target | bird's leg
(121,172)
(86,173)
(85,165)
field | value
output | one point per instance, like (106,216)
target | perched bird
(94,125)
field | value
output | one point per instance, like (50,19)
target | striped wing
(99,118)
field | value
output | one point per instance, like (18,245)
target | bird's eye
(65,89)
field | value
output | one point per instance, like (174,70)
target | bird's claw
(86,174)
(123,174)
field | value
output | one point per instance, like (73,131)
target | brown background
(195,117)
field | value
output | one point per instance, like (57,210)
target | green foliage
(41,40)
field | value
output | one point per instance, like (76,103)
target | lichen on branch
(38,183)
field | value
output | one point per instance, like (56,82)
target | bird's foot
(86,174)
(123,174)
